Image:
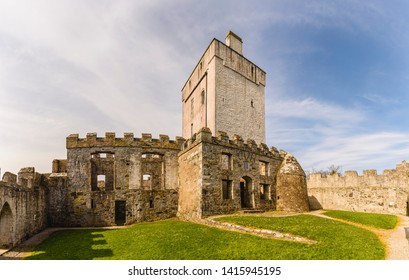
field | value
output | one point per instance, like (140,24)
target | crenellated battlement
(110,140)
(237,142)
(390,177)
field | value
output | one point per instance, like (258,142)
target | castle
(220,165)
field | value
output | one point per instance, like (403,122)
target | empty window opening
(202,97)
(102,155)
(191,130)
(101,179)
(226,161)
(252,103)
(226,189)
(146,177)
(151,204)
(151,155)
(264,191)
(93,204)
(192,108)
(263,168)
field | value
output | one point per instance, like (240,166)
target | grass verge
(382,221)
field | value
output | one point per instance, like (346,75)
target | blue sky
(337,74)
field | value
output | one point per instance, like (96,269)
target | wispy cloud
(84,66)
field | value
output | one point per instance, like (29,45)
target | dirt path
(396,240)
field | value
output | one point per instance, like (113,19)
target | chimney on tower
(235,42)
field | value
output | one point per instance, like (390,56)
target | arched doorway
(246,193)
(6,226)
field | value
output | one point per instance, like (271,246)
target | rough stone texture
(219,175)
(121,180)
(292,192)
(225,92)
(23,209)
(386,193)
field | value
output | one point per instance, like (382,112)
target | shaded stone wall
(233,175)
(121,180)
(386,193)
(23,206)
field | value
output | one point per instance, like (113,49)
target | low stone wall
(386,193)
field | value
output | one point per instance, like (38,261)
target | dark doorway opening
(120,212)
(245,192)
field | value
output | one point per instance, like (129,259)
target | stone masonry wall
(386,193)
(232,175)
(121,180)
(292,194)
(23,208)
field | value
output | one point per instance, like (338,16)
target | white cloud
(373,150)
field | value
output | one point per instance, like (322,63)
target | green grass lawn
(172,239)
(336,240)
(383,221)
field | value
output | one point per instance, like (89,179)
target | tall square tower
(225,92)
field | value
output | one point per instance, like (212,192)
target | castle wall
(23,209)
(233,175)
(386,193)
(121,180)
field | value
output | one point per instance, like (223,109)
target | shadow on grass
(73,245)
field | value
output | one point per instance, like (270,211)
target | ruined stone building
(221,165)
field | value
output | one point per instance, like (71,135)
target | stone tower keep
(225,92)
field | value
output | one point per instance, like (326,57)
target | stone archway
(246,192)
(6,226)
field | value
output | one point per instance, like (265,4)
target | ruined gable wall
(386,193)
(139,172)
(23,209)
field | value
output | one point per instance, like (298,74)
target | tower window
(202,97)
(252,103)
(192,107)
